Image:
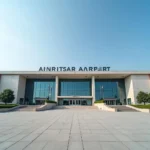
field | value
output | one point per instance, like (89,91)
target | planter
(10,109)
(105,107)
(139,109)
(47,106)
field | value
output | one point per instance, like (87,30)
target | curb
(11,109)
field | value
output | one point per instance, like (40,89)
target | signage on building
(64,69)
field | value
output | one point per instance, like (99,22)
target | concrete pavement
(74,129)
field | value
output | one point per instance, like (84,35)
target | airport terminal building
(71,86)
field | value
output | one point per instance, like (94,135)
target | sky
(36,33)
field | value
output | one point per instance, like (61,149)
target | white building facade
(75,87)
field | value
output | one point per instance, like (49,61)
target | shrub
(7,96)
(143,97)
(50,101)
(99,101)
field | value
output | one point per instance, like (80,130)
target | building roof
(75,74)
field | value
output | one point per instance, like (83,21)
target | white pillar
(93,89)
(56,88)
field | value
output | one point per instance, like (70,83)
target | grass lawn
(142,106)
(7,105)
(99,101)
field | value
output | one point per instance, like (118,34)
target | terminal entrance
(110,102)
(72,102)
(77,102)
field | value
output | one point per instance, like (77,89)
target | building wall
(121,91)
(140,83)
(15,83)
(129,89)
(136,83)
(21,88)
(10,82)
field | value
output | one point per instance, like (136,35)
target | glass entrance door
(110,102)
(70,102)
(75,102)
(78,102)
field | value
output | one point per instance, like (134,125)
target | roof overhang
(77,74)
(74,96)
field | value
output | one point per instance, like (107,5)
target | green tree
(142,97)
(149,98)
(7,96)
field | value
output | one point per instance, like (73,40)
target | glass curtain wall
(39,89)
(106,89)
(44,90)
(75,87)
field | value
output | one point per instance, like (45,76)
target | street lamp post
(101,92)
(50,92)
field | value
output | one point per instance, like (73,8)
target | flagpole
(102,92)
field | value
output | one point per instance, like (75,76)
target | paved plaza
(74,129)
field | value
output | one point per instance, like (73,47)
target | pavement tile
(18,146)
(92,146)
(52,131)
(98,137)
(46,137)
(5,145)
(35,146)
(145,144)
(17,137)
(75,131)
(113,146)
(75,137)
(102,131)
(134,146)
(56,146)
(62,137)
(140,138)
(75,146)
(64,131)
(122,137)
(85,131)
(30,137)
(6,137)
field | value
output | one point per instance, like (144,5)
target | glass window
(75,87)
(106,89)
(37,85)
(42,89)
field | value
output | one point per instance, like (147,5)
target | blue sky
(36,33)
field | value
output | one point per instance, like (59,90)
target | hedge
(50,101)
(142,106)
(8,105)
(99,101)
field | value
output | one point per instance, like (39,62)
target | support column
(56,88)
(93,89)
